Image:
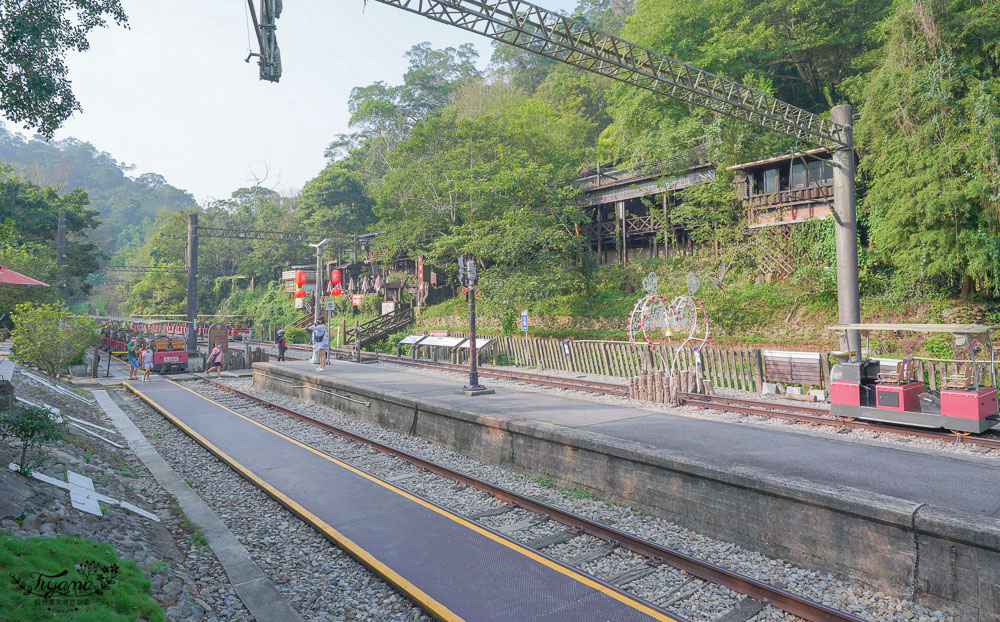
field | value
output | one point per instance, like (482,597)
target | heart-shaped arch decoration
(684,318)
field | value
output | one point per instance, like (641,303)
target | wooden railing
(790,197)
(609,230)
(378,328)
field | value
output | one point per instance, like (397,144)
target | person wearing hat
(282,346)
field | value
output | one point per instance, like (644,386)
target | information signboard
(524,320)
(357,299)
(218,334)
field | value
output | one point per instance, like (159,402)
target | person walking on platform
(147,363)
(215,360)
(132,353)
(282,345)
(321,342)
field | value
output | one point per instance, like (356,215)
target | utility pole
(61,252)
(319,288)
(192,285)
(846,230)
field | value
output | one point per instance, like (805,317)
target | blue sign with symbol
(524,320)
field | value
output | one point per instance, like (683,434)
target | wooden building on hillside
(786,189)
(625,203)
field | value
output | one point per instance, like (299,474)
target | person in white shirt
(321,342)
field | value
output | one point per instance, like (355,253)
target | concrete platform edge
(258,594)
(941,558)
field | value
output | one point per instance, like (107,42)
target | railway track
(757,408)
(668,579)
(806,414)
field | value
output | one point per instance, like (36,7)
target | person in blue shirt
(321,342)
(132,353)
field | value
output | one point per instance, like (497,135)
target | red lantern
(337,291)
(300,293)
(335,277)
(300,278)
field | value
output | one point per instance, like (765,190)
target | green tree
(930,136)
(800,52)
(35,38)
(335,201)
(50,335)
(125,206)
(33,426)
(34,210)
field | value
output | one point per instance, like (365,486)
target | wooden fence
(734,368)
(737,368)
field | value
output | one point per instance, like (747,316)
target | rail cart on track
(860,388)
(166,338)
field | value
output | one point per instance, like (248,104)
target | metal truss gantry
(532,28)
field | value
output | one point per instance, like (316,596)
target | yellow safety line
(458,519)
(426,600)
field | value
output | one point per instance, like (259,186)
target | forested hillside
(126,206)
(462,156)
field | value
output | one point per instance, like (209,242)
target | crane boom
(532,28)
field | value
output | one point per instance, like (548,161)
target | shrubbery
(33,426)
(50,335)
(294,334)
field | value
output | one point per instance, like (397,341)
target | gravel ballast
(319,580)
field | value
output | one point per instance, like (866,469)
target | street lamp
(319,288)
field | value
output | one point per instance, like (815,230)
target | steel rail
(655,553)
(805,414)
(757,408)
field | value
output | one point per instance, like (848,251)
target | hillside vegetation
(458,158)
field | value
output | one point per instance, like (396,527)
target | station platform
(936,478)
(912,522)
(456,569)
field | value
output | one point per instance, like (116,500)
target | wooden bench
(6,388)
(793,367)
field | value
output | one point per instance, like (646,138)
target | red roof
(10,277)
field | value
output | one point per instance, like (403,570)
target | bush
(50,335)
(33,426)
(371,304)
(293,334)
(388,345)
(939,347)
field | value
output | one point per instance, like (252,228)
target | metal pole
(319,290)
(61,251)
(845,213)
(319,283)
(473,363)
(192,285)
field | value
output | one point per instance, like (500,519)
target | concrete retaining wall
(940,558)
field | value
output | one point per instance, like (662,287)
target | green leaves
(35,38)
(49,335)
(930,134)
(32,426)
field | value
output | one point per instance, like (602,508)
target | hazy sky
(172,94)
